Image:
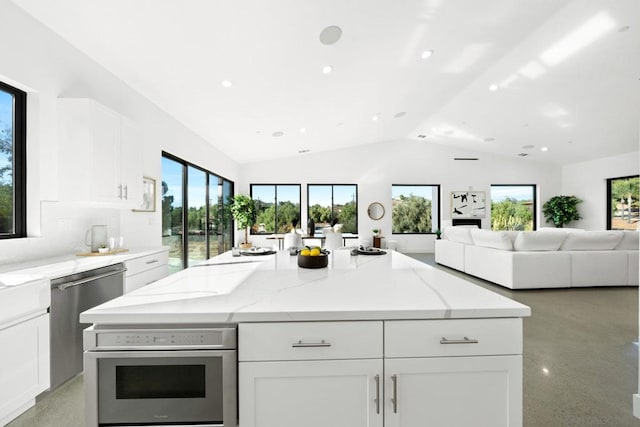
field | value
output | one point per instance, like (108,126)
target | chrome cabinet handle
(152,261)
(465,340)
(120,191)
(394,397)
(126,192)
(377,378)
(322,343)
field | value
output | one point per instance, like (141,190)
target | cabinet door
(336,393)
(105,168)
(454,391)
(24,358)
(130,164)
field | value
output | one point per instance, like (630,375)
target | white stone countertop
(64,265)
(273,288)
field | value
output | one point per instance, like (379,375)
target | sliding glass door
(196,219)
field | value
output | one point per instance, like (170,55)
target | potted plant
(438,233)
(376,232)
(561,210)
(244,213)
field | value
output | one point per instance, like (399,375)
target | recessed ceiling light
(400,114)
(226,83)
(303,130)
(375,118)
(339,124)
(426,54)
(569,142)
(330,35)
(493,87)
(327,69)
(490,139)
(544,148)
(423,136)
(623,29)
(528,147)
(306,150)
(523,154)
(277,134)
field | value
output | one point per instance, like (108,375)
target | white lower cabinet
(146,269)
(484,391)
(24,365)
(436,373)
(336,393)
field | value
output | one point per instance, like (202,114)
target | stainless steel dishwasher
(71,295)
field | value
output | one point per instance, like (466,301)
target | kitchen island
(368,341)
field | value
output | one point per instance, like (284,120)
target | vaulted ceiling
(513,77)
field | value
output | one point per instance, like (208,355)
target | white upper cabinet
(100,155)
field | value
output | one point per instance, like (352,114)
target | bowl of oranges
(313,257)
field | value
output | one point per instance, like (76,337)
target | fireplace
(467,221)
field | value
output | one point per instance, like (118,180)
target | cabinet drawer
(453,337)
(138,265)
(131,283)
(309,340)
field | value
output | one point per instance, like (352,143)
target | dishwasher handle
(79,282)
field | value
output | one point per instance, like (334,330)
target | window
(513,207)
(623,195)
(13,216)
(330,204)
(278,207)
(415,209)
(207,218)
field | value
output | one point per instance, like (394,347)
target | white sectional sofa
(549,258)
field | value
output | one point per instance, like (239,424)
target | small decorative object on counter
(438,233)
(311,227)
(103,249)
(313,257)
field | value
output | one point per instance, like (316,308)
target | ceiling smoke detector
(277,134)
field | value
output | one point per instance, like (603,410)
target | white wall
(41,63)
(375,168)
(588,181)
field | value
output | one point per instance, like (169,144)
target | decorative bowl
(307,261)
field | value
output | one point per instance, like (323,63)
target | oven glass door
(158,388)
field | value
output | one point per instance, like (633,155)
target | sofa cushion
(630,241)
(460,234)
(492,239)
(536,241)
(591,241)
(559,229)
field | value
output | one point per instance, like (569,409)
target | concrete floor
(580,360)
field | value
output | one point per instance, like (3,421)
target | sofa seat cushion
(630,241)
(459,234)
(492,239)
(535,241)
(591,241)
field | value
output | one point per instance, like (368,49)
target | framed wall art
(148,196)
(468,204)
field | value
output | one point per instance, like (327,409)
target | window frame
(19,170)
(609,195)
(185,205)
(332,199)
(535,201)
(439,219)
(256,233)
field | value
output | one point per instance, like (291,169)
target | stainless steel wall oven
(161,375)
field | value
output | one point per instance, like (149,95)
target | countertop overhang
(273,288)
